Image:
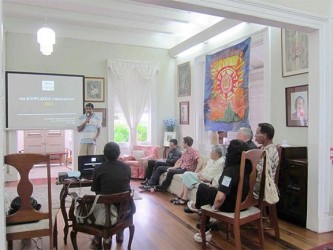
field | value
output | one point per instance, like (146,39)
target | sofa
(176,185)
(138,160)
(177,181)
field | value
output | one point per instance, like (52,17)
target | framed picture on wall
(167,137)
(184,79)
(297,106)
(184,113)
(94,89)
(295,52)
(101,113)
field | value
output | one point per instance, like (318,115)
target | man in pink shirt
(188,162)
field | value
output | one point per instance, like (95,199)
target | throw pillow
(138,154)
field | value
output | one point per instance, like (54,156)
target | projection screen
(43,101)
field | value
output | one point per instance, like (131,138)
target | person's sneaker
(120,236)
(145,187)
(190,208)
(144,182)
(159,189)
(198,238)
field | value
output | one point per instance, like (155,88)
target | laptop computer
(87,163)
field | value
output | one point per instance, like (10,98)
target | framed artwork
(297,106)
(167,137)
(295,52)
(101,113)
(94,89)
(184,113)
(184,79)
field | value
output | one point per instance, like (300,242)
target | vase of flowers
(169,124)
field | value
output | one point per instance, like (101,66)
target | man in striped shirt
(88,126)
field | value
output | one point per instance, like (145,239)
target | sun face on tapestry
(226,88)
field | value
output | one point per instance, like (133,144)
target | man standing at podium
(89,127)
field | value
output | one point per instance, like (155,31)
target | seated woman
(224,197)
(213,169)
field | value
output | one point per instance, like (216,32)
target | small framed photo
(184,79)
(101,113)
(184,113)
(94,89)
(297,106)
(295,52)
(167,137)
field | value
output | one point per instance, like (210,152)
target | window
(121,129)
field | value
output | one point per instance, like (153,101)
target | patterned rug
(40,194)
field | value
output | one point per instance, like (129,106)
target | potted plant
(169,124)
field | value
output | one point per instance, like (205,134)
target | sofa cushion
(176,185)
(138,154)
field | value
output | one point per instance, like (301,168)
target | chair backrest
(23,163)
(123,201)
(252,156)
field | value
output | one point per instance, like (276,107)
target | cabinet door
(54,141)
(34,141)
(295,197)
(44,141)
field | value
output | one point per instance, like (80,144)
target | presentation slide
(43,101)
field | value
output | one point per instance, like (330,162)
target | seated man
(212,170)
(188,162)
(111,177)
(246,135)
(224,197)
(173,156)
(264,136)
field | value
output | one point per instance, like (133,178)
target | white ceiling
(131,22)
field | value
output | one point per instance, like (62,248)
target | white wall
(3,242)
(72,56)
(319,7)
(297,136)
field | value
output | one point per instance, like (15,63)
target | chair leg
(73,238)
(273,219)
(9,244)
(55,234)
(131,235)
(228,231)
(203,220)
(260,233)
(237,237)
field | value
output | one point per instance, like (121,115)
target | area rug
(40,194)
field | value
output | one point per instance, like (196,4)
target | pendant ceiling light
(46,39)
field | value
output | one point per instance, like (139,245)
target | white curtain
(132,82)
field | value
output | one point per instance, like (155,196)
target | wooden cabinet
(293,185)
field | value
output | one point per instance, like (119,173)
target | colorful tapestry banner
(226,105)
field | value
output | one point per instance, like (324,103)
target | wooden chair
(27,222)
(245,211)
(269,210)
(126,209)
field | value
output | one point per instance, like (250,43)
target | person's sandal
(180,201)
(175,199)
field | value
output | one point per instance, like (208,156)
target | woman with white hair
(209,174)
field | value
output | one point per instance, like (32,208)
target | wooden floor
(161,225)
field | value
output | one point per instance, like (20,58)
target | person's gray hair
(247,132)
(218,149)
